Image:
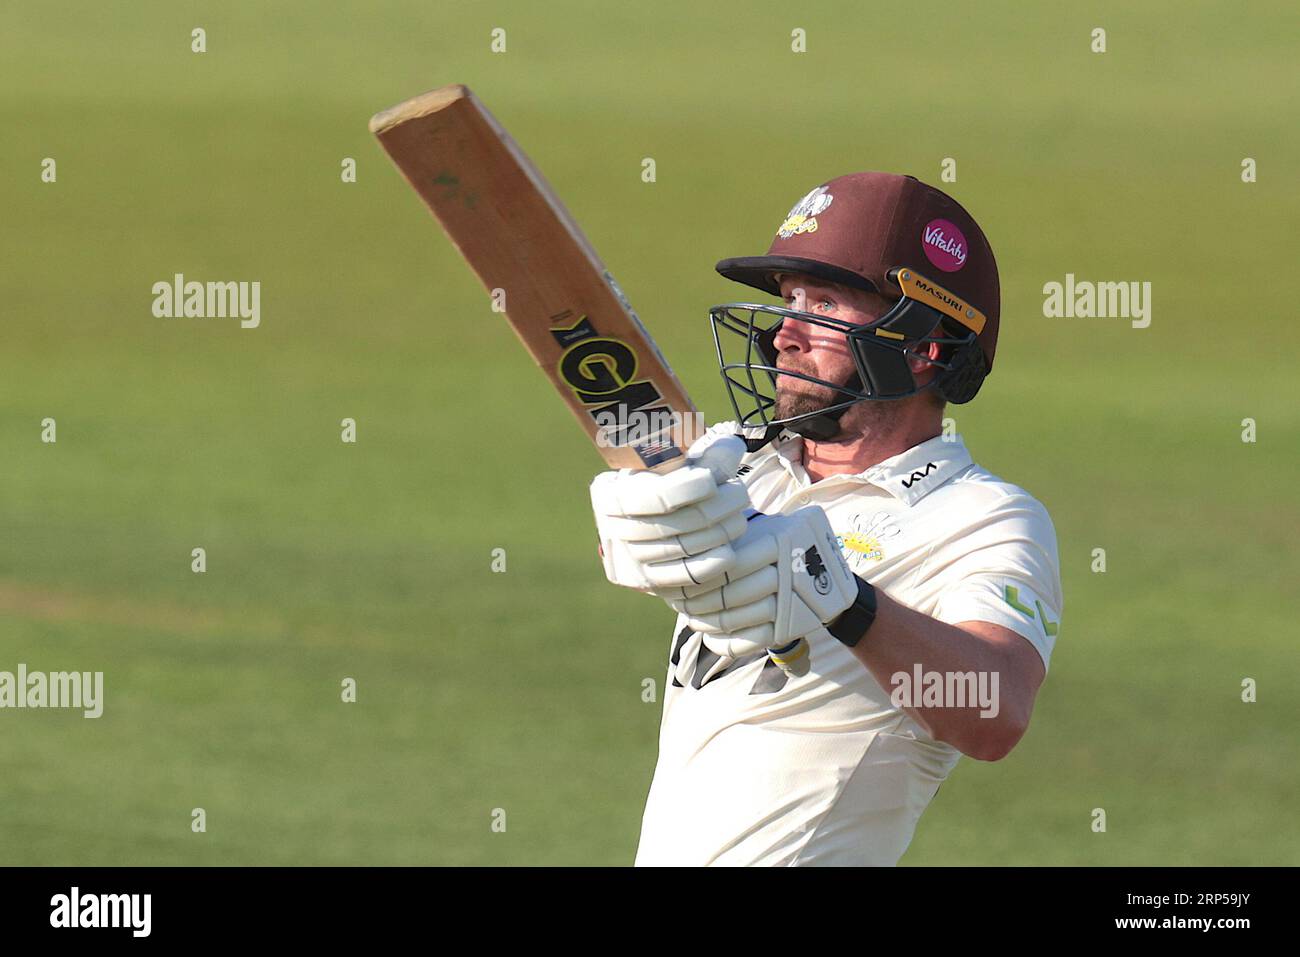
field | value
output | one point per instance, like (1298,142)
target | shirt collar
(908,476)
(912,475)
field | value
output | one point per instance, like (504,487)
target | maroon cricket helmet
(858,229)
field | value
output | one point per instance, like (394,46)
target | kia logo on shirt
(918,475)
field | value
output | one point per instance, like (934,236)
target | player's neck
(877,434)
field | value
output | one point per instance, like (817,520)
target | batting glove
(789,579)
(660,533)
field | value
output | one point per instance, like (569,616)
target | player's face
(815,350)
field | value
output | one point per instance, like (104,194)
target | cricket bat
(543,273)
(554,290)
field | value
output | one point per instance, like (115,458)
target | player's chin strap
(770,433)
(819,426)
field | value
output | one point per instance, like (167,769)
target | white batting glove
(660,533)
(789,579)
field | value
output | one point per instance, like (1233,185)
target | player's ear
(916,357)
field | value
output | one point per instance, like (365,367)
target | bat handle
(794,659)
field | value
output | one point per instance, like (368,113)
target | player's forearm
(903,642)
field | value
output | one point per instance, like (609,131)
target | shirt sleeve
(1009,575)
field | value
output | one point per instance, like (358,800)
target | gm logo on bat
(601,371)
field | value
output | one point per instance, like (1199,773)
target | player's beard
(796,396)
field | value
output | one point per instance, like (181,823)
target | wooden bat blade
(558,296)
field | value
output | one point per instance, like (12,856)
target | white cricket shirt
(756,768)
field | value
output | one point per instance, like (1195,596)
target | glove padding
(789,579)
(672,531)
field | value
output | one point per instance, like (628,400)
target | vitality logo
(944,245)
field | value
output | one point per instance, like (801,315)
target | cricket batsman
(858,603)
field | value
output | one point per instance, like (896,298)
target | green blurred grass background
(522,691)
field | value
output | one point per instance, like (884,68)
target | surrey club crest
(803,218)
